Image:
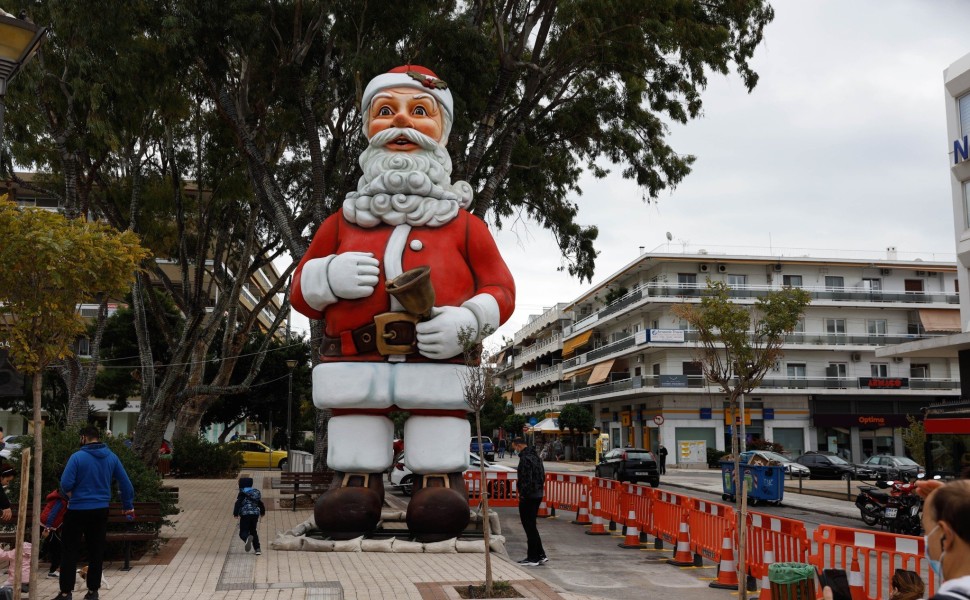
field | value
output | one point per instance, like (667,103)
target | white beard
(406,187)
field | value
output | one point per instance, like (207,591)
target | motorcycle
(900,510)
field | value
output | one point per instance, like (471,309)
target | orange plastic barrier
(708,523)
(668,512)
(787,537)
(606,493)
(879,555)
(566,492)
(499,486)
(638,499)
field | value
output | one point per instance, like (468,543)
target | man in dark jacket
(87,482)
(662,453)
(531,486)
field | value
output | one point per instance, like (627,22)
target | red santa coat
(462,254)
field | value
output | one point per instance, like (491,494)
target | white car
(11,443)
(401,477)
(792,469)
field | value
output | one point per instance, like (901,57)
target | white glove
(353,275)
(438,336)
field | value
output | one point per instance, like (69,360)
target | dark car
(825,465)
(629,464)
(893,467)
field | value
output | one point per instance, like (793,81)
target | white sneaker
(258,553)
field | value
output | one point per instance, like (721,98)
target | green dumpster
(792,581)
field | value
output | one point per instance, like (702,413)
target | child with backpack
(248,508)
(51,520)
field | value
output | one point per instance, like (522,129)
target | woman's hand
(826,593)
(6,515)
(924,488)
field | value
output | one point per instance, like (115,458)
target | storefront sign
(667,335)
(625,418)
(863,421)
(706,413)
(693,452)
(767,414)
(673,381)
(884,383)
(961,150)
(640,337)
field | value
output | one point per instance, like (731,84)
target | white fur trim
(314,284)
(360,443)
(436,444)
(381,384)
(352,385)
(393,258)
(429,385)
(486,311)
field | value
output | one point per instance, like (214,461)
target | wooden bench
(120,527)
(305,483)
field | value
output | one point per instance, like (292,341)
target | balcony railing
(531,352)
(534,404)
(553,373)
(811,339)
(667,291)
(793,383)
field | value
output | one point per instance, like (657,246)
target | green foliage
(514,423)
(494,413)
(585,453)
(714,457)
(197,457)
(60,444)
(70,262)
(914,437)
(766,445)
(576,418)
(615,294)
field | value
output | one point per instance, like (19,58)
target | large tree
(49,265)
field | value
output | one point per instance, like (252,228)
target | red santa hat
(411,76)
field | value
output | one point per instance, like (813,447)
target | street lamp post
(291,364)
(19,40)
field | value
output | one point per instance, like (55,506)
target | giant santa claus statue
(405,233)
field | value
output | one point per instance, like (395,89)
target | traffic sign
(659,419)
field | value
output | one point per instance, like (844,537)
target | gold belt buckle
(385,339)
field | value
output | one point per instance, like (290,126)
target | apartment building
(625,354)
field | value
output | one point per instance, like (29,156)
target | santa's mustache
(383,138)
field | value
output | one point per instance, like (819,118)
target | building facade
(620,349)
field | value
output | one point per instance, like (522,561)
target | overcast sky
(841,146)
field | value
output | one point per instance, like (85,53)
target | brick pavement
(204,559)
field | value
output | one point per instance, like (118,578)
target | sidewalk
(204,558)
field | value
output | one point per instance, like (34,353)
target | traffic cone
(597,528)
(682,556)
(727,571)
(768,560)
(582,515)
(857,587)
(543,510)
(632,539)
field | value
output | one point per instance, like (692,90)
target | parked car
(825,465)
(894,467)
(792,468)
(258,455)
(629,464)
(487,450)
(401,477)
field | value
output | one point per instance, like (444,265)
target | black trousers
(248,525)
(53,546)
(663,465)
(528,511)
(92,524)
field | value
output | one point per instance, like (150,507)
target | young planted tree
(49,265)
(576,419)
(739,343)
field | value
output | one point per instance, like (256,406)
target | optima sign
(961,151)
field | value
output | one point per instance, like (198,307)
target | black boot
(439,507)
(353,509)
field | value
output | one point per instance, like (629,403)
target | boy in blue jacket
(248,509)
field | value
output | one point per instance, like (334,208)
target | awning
(940,319)
(508,395)
(500,358)
(601,372)
(570,346)
(579,373)
(516,397)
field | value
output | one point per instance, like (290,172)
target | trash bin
(792,581)
(765,483)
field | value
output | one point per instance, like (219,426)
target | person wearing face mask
(946,519)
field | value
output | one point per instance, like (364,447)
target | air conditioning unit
(922,273)
(704,268)
(855,356)
(898,359)
(885,271)
(777,268)
(722,268)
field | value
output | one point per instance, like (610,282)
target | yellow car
(258,455)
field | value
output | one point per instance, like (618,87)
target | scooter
(899,510)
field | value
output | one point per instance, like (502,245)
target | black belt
(363,340)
